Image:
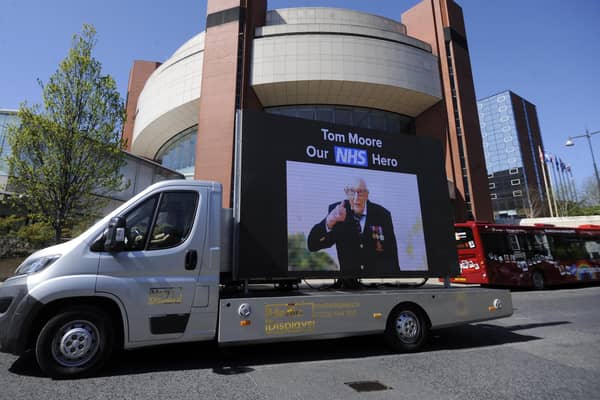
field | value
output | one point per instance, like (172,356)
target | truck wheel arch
(111,306)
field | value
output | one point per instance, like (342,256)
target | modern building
(336,65)
(7,117)
(512,145)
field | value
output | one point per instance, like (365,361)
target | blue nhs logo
(350,156)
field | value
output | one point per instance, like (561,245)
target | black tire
(75,342)
(406,329)
(537,280)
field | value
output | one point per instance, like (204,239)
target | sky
(547,51)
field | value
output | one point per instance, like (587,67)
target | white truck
(131,280)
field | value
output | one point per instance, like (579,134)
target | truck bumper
(17,310)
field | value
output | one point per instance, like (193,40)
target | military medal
(377,235)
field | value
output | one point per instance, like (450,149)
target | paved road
(549,349)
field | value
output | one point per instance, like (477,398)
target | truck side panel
(335,314)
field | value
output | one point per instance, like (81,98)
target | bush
(11,224)
(37,233)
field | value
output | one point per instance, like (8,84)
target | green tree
(300,259)
(67,153)
(589,194)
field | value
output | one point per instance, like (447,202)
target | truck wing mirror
(115,236)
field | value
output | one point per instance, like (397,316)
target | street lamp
(587,135)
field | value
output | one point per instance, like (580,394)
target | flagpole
(543,165)
(570,171)
(563,194)
(555,188)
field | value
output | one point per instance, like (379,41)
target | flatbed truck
(113,287)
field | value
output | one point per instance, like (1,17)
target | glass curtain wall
(379,120)
(179,153)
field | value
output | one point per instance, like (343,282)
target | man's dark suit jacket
(370,253)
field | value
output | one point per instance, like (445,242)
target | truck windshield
(464,238)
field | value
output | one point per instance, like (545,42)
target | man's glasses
(351,192)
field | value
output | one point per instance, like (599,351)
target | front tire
(75,342)
(406,329)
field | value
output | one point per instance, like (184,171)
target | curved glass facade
(352,116)
(179,153)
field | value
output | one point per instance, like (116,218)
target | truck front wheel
(406,329)
(75,342)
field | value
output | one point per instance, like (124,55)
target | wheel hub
(75,343)
(407,326)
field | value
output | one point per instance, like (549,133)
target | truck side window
(137,224)
(174,220)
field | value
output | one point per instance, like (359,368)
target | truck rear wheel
(75,342)
(406,329)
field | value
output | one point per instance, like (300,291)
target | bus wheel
(537,279)
(406,329)
(75,342)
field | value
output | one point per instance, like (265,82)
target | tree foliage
(67,153)
(589,194)
(300,259)
(588,201)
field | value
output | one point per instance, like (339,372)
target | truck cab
(147,273)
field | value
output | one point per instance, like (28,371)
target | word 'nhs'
(350,156)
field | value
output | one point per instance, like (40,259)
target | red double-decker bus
(527,256)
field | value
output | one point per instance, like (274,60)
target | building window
(493,196)
(352,116)
(515,182)
(517,193)
(491,175)
(492,185)
(513,171)
(179,153)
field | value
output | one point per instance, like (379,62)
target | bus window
(496,246)
(537,246)
(514,242)
(593,248)
(567,247)
(464,238)
(518,245)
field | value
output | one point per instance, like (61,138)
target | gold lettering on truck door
(171,295)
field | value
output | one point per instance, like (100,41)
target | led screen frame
(276,154)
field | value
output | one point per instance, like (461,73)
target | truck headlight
(36,264)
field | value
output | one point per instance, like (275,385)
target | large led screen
(353,221)
(316,199)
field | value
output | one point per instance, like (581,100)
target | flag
(568,167)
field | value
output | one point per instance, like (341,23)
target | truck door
(155,276)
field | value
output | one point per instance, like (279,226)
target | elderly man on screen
(362,232)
